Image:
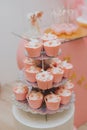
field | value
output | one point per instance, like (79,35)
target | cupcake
(28,62)
(35,99)
(52,101)
(59,90)
(57,74)
(55,62)
(68,67)
(65,96)
(33,48)
(48,37)
(69,85)
(20,91)
(31,72)
(44,80)
(52,47)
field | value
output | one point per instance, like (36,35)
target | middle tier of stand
(55,85)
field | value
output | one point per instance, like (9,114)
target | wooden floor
(7,121)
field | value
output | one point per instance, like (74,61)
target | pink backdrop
(75,52)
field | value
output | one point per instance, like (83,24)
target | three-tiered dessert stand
(43,118)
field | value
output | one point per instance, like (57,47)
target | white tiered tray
(63,120)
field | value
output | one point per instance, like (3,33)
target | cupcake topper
(34,19)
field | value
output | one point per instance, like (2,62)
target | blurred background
(13,18)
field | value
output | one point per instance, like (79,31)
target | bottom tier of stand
(43,110)
(57,121)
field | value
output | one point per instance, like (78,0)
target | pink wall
(76,52)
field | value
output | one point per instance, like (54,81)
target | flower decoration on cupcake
(35,99)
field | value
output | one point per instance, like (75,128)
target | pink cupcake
(33,48)
(48,37)
(31,72)
(44,80)
(52,101)
(57,74)
(55,62)
(35,99)
(28,62)
(59,90)
(52,47)
(65,96)
(69,85)
(20,91)
(68,67)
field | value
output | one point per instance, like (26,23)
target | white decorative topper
(19,89)
(44,76)
(53,98)
(58,70)
(69,84)
(34,43)
(32,69)
(35,96)
(65,93)
(52,43)
(66,65)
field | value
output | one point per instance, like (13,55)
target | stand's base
(59,121)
